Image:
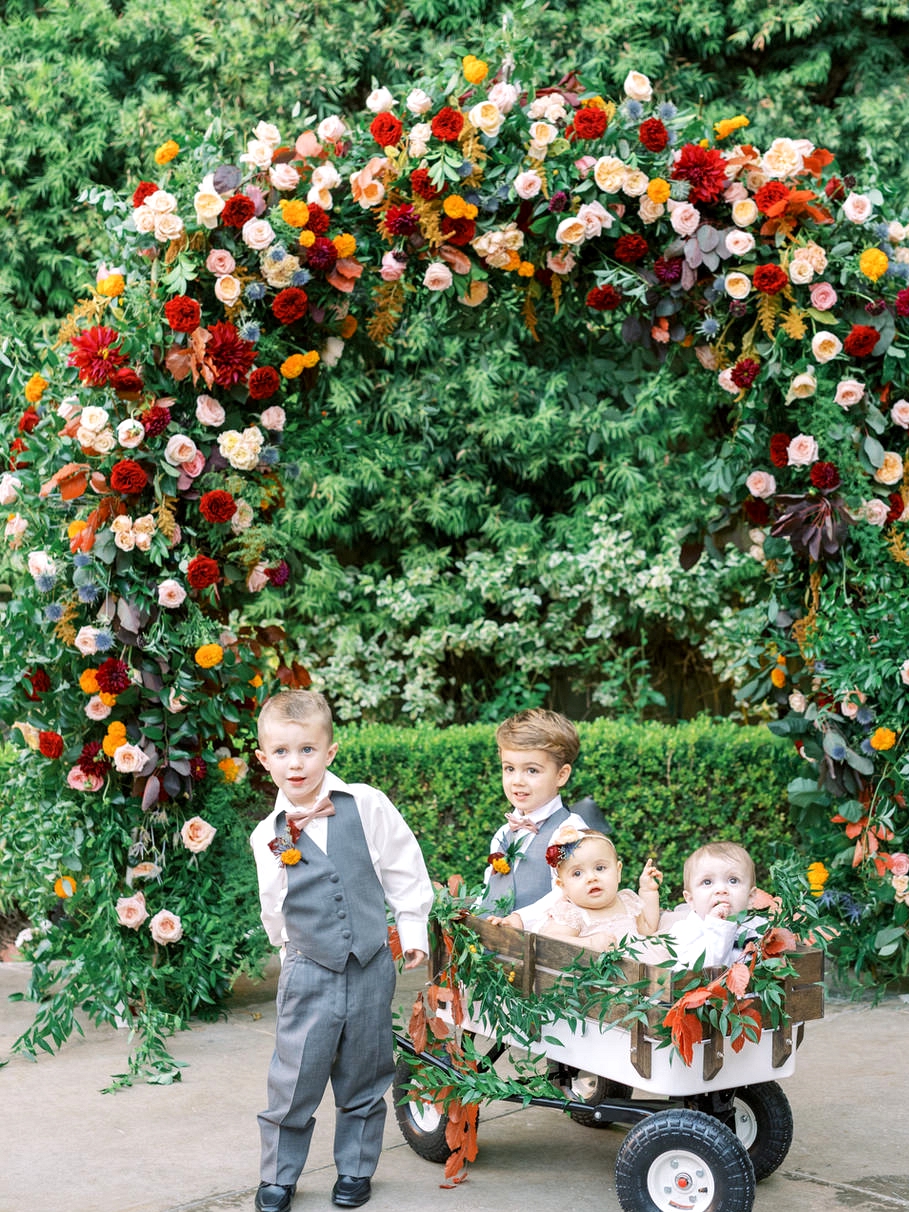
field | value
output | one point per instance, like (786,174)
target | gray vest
(530,876)
(335,905)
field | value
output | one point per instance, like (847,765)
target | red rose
(50,744)
(386,129)
(447,124)
(769,197)
(319,220)
(604,298)
(217,506)
(630,248)
(28,420)
(290,304)
(458,231)
(653,135)
(769,279)
(422,186)
(128,477)
(263,382)
(144,190)
(861,340)
(202,572)
(237,210)
(590,122)
(779,449)
(322,254)
(182,313)
(112,676)
(705,169)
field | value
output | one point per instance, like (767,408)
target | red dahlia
(630,248)
(386,129)
(96,356)
(183,314)
(668,269)
(128,477)
(422,186)
(50,744)
(237,210)
(144,190)
(230,356)
(861,340)
(653,135)
(202,572)
(217,506)
(769,196)
(319,220)
(447,124)
(322,254)
(744,372)
(290,304)
(92,760)
(112,676)
(824,475)
(769,279)
(604,298)
(458,231)
(263,383)
(155,420)
(590,122)
(401,220)
(779,449)
(705,170)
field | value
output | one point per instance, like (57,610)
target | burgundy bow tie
(517,820)
(298,821)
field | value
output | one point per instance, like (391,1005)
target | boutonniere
(502,861)
(283,846)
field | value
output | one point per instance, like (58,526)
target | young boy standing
(328,858)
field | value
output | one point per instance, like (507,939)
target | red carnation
(447,124)
(779,449)
(230,356)
(604,298)
(322,254)
(126,381)
(769,279)
(824,475)
(319,220)
(237,210)
(861,340)
(144,190)
(112,676)
(183,314)
(769,196)
(630,248)
(29,420)
(41,683)
(155,420)
(422,186)
(744,372)
(705,170)
(96,356)
(202,572)
(290,304)
(128,477)
(50,744)
(217,506)
(401,220)
(263,383)
(901,302)
(590,122)
(386,129)
(458,231)
(653,135)
(897,505)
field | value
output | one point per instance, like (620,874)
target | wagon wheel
(683,1159)
(422,1124)
(763,1123)
(584,1087)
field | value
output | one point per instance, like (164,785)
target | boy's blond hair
(295,706)
(539,729)
(719,850)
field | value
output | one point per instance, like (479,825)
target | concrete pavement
(193,1146)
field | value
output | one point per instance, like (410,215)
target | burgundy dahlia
(280,574)
(155,420)
(401,220)
(668,270)
(230,356)
(745,371)
(322,254)
(112,676)
(458,231)
(319,220)
(96,355)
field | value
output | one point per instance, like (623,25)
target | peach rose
(783,158)
(131,911)
(257,234)
(80,781)
(208,203)
(609,174)
(228,289)
(802,451)
(745,212)
(475,294)
(891,470)
(87,640)
(503,96)
(209,411)
(825,346)
(802,386)
(857,208)
(571,231)
(737,285)
(725,380)
(197,834)
(168,227)
(180,449)
(437,277)
(904,672)
(596,219)
(848,392)
(219,262)
(761,484)
(393,266)
(823,296)
(166,927)
(801,271)
(129,759)
(899,414)
(560,263)
(635,183)
(257,578)
(283,176)
(96,708)
(638,87)
(684,217)
(130,433)
(899,863)
(274,418)
(541,133)
(487,118)
(875,511)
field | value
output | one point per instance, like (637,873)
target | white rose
(761,484)
(180,449)
(542,133)
(725,380)
(380,101)
(228,289)
(528,184)
(744,212)
(418,102)
(803,451)
(244,517)
(596,219)
(801,271)
(331,129)
(638,87)
(331,353)
(797,701)
(857,208)
(40,564)
(782,159)
(802,386)
(166,927)
(171,594)
(326,176)
(438,276)
(825,346)
(257,234)
(418,140)
(737,285)
(9,488)
(266,132)
(322,197)
(257,153)
(168,227)
(161,202)
(125,540)
(896,232)
(685,218)
(875,511)
(144,219)
(208,203)
(93,418)
(487,118)
(86,640)
(650,211)
(635,183)
(130,433)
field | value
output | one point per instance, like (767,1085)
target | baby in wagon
(592,909)
(719,885)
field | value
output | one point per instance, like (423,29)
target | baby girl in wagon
(592,909)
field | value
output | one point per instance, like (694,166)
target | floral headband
(567,841)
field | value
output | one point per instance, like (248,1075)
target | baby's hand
(651,878)
(603,940)
(513,920)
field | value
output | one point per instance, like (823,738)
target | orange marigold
(290,857)
(345,244)
(294,212)
(166,152)
(778,677)
(88,682)
(65,887)
(882,738)
(35,388)
(209,655)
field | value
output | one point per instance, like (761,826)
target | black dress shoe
(272,1197)
(349,1192)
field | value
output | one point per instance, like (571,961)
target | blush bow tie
(298,821)
(517,820)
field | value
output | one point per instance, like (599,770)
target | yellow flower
(345,244)
(75,528)
(501,866)
(230,769)
(474,69)
(293,366)
(166,152)
(88,681)
(778,677)
(526,269)
(256,682)
(873,263)
(112,286)
(290,857)
(310,359)
(817,877)
(457,207)
(294,212)
(882,738)
(35,388)
(728,125)
(65,887)
(209,655)
(658,191)
(307,238)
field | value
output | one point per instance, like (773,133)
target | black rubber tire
(763,1123)
(591,1088)
(673,1154)
(422,1126)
